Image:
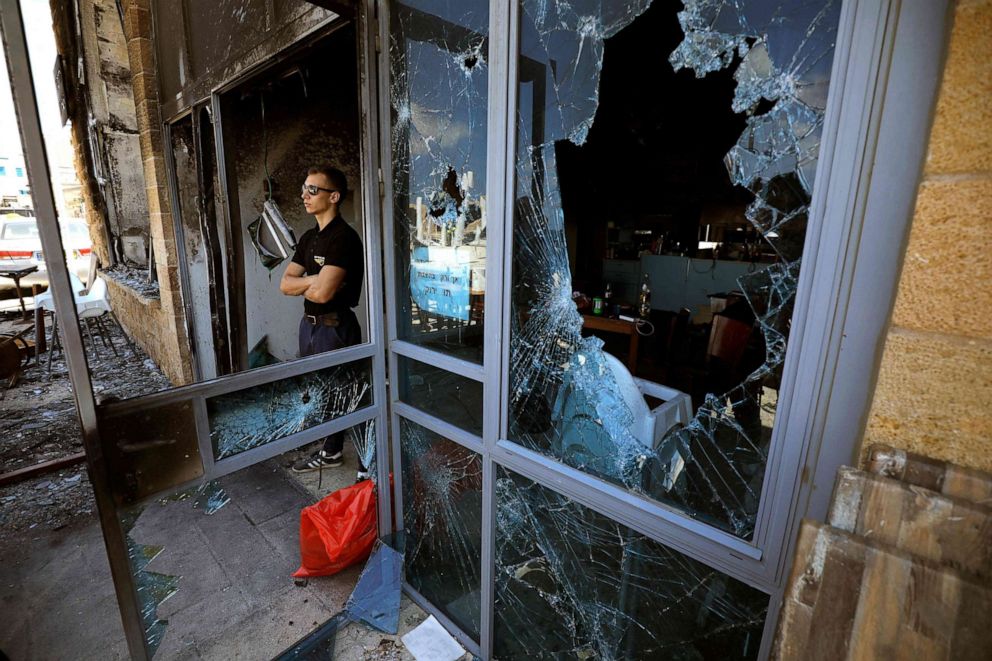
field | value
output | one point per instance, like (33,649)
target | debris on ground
(387,650)
(48,502)
(133,278)
(38,423)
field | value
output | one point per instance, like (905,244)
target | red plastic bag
(337,531)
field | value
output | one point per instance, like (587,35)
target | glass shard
(442,514)
(571,583)
(153,588)
(362,436)
(567,399)
(375,600)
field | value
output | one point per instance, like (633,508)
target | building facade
(750,171)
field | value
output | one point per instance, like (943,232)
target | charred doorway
(297,111)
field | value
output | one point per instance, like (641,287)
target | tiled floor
(236,598)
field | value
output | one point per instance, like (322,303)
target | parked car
(20,241)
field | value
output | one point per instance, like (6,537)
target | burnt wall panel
(311,117)
(169,48)
(220,31)
(203,45)
(194,248)
(126,181)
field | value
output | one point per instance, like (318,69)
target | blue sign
(441,289)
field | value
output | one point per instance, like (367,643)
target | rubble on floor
(133,278)
(38,422)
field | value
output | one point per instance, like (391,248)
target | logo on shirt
(319,259)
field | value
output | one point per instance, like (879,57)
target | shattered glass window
(442,519)
(250,418)
(571,583)
(710,282)
(446,395)
(438,92)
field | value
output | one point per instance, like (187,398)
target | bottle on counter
(608,293)
(644,298)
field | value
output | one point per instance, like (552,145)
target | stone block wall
(122,96)
(129,306)
(934,391)
(170,346)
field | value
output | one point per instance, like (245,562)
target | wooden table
(15,273)
(594,322)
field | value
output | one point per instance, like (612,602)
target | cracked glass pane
(665,159)
(438,94)
(451,397)
(571,583)
(442,514)
(251,418)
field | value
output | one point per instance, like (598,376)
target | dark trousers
(318,338)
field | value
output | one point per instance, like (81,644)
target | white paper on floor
(431,642)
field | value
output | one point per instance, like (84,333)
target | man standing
(327,271)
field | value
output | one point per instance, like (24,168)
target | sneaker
(362,476)
(318,460)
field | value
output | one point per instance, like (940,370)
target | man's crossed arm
(319,288)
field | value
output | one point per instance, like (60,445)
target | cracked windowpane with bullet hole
(253,417)
(571,583)
(438,95)
(442,519)
(666,153)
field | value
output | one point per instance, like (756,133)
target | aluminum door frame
(879,110)
(15,45)
(885,75)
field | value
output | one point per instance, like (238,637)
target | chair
(650,425)
(90,309)
(93,305)
(45,300)
(588,442)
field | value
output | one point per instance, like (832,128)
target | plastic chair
(650,425)
(92,306)
(90,309)
(45,300)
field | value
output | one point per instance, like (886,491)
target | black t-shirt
(335,245)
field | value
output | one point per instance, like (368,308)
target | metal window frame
(39,177)
(883,87)
(12,28)
(399,347)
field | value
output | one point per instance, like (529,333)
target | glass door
(200,487)
(435,109)
(596,217)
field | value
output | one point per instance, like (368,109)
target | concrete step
(951,532)
(933,474)
(849,597)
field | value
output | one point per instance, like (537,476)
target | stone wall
(171,348)
(129,306)
(934,392)
(121,94)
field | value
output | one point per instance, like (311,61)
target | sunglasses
(311,189)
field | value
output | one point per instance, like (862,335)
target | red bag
(337,531)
